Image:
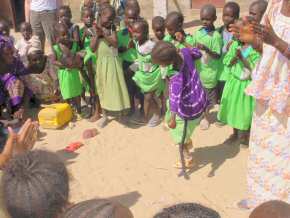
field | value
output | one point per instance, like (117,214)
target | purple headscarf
(187,96)
(5,42)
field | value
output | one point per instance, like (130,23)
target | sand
(134,167)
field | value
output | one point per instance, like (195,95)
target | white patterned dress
(269,161)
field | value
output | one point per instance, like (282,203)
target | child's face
(255,13)
(88,18)
(228,16)
(173,27)
(131,15)
(159,31)
(36,58)
(4,29)
(138,33)
(107,19)
(208,18)
(64,16)
(26,31)
(63,36)
(7,55)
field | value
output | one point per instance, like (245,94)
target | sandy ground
(134,167)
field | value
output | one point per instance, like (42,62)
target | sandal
(73,147)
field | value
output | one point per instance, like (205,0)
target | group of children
(122,69)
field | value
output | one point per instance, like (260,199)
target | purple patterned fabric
(187,97)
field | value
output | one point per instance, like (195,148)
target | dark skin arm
(111,39)
(213,55)
(91,77)
(76,35)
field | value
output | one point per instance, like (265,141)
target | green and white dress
(69,79)
(236,108)
(148,76)
(110,82)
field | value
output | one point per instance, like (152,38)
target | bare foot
(94,118)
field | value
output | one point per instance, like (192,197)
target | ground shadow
(67,157)
(128,199)
(216,156)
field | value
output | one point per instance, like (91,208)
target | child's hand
(99,31)
(179,37)
(239,54)
(201,47)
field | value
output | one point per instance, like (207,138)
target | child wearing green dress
(209,41)
(128,53)
(69,63)
(236,107)
(110,82)
(231,12)
(148,75)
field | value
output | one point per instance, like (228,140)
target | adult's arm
(27,10)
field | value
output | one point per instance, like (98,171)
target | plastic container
(55,116)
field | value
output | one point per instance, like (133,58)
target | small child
(31,177)
(231,12)
(100,208)
(128,53)
(257,10)
(25,43)
(158,26)
(148,75)
(110,82)
(5,30)
(87,31)
(188,210)
(187,98)
(209,41)
(236,107)
(64,17)
(69,64)
(176,34)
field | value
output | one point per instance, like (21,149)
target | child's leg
(96,110)
(243,137)
(148,98)
(212,97)
(77,104)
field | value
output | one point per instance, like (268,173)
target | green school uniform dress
(236,107)
(227,37)
(123,41)
(110,82)
(148,76)
(69,79)
(207,66)
(87,41)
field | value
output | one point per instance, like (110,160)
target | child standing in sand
(69,63)
(209,41)
(110,82)
(187,98)
(148,75)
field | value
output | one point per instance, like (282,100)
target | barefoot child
(231,12)
(110,82)
(236,107)
(68,62)
(209,41)
(187,99)
(128,53)
(64,17)
(148,76)
(158,27)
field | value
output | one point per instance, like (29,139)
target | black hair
(164,52)
(262,4)
(107,7)
(99,208)
(272,209)
(209,8)
(235,7)
(35,184)
(159,21)
(175,16)
(185,210)
(133,4)
(65,8)
(141,21)
(86,9)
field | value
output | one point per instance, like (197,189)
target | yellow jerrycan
(55,116)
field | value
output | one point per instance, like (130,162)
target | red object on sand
(73,146)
